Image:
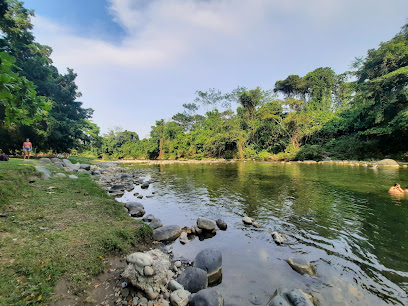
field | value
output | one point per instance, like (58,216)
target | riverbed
(340,218)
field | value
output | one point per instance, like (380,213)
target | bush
(310,152)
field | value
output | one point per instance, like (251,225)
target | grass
(54,229)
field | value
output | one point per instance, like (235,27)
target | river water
(340,218)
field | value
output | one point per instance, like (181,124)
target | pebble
(178,263)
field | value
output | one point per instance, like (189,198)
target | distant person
(27,147)
(396,190)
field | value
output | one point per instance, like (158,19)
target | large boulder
(167,233)
(45,160)
(156,223)
(137,263)
(301,266)
(193,279)
(135,209)
(388,162)
(206,224)
(67,163)
(207,297)
(56,160)
(131,205)
(294,297)
(43,169)
(210,260)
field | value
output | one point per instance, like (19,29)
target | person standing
(27,147)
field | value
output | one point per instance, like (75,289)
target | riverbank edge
(39,221)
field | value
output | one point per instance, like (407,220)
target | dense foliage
(36,101)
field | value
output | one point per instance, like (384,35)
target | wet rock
(206,224)
(183,238)
(278,238)
(195,230)
(301,266)
(148,218)
(295,297)
(134,271)
(174,285)
(177,263)
(193,279)
(140,196)
(206,297)
(167,233)
(85,166)
(45,160)
(179,297)
(60,175)
(210,260)
(74,177)
(247,220)
(156,223)
(135,209)
(145,185)
(126,176)
(222,225)
(149,196)
(256,224)
(387,162)
(117,187)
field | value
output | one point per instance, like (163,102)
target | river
(340,218)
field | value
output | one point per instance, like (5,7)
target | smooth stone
(71,176)
(137,212)
(145,185)
(247,220)
(142,301)
(96,172)
(301,266)
(125,292)
(210,260)
(256,224)
(206,224)
(183,238)
(207,297)
(126,176)
(170,274)
(149,196)
(151,294)
(67,163)
(294,297)
(222,225)
(388,162)
(56,160)
(43,170)
(139,259)
(179,297)
(148,271)
(177,263)
(174,285)
(156,223)
(167,233)
(118,187)
(148,218)
(193,279)
(140,196)
(45,160)
(278,238)
(60,175)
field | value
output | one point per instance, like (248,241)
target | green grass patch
(57,228)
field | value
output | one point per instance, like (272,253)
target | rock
(156,223)
(222,225)
(170,275)
(174,285)
(148,218)
(387,162)
(142,301)
(45,160)
(210,260)
(67,163)
(183,238)
(126,176)
(247,220)
(207,297)
(71,176)
(167,233)
(136,209)
(148,271)
(85,166)
(117,187)
(177,263)
(149,196)
(60,175)
(140,196)
(256,224)
(151,294)
(96,172)
(278,238)
(179,297)
(145,185)
(136,193)
(295,297)
(206,224)
(125,292)
(193,279)
(56,160)
(43,170)
(155,259)
(301,266)
(46,176)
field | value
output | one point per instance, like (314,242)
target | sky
(138,61)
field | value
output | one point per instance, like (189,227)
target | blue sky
(139,60)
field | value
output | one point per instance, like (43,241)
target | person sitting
(396,190)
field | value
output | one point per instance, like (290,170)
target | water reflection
(339,217)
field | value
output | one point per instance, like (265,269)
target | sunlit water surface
(338,217)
